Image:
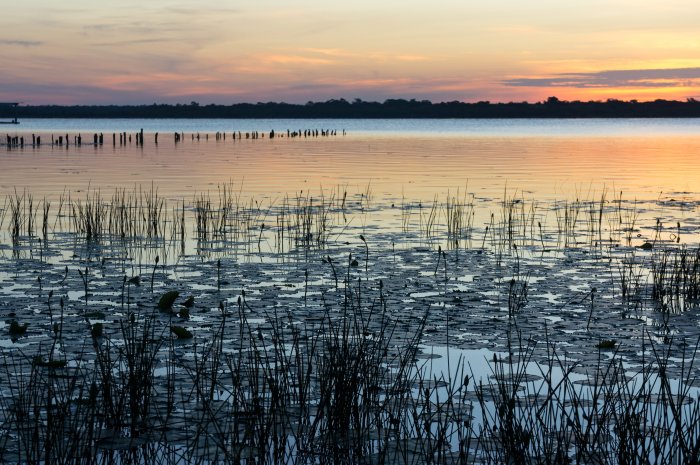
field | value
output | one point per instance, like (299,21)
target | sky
(224,52)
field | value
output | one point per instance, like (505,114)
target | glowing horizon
(168,51)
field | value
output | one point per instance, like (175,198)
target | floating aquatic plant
(39,361)
(606,344)
(181,332)
(167,300)
(17,330)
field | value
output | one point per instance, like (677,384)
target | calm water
(416,159)
(570,274)
(395,127)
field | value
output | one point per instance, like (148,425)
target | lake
(384,291)
(413,158)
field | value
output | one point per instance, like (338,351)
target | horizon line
(194,103)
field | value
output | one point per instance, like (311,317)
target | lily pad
(606,344)
(180,332)
(167,300)
(17,330)
(40,362)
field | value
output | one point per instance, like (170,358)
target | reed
(459,214)
(429,218)
(339,391)
(17,216)
(675,274)
(45,220)
(335,371)
(228,221)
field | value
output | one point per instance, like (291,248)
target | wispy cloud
(295,59)
(121,43)
(334,52)
(21,43)
(673,77)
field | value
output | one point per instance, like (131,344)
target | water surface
(412,158)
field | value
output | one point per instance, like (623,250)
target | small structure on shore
(9,108)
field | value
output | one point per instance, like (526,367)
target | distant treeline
(393,108)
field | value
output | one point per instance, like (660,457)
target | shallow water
(548,247)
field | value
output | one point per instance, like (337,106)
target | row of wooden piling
(98,139)
(61,140)
(261,135)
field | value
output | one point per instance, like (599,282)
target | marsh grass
(226,221)
(459,216)
(616,415)
(675,277)
(339,375)
(340,391)
(428,218)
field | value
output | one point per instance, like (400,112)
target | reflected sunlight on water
(417,166)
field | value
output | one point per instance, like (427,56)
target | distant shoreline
(359,109)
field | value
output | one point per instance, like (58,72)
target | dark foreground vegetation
(337,391)
(392,108)
(118,348)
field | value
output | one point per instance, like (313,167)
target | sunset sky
(216,51)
